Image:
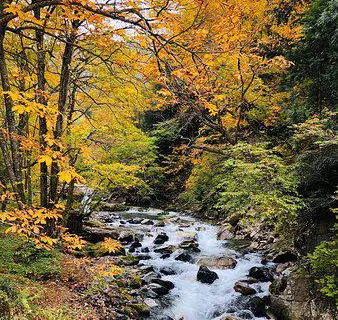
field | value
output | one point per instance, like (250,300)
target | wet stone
(205,275)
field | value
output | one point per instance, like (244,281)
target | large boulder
(136,244)
(95,235)
(205,275)
(285,256)
(262,274)
(219,263)
(292,298)
(112,207)
(244,289)
(167,271)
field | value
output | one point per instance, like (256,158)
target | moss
(141,309)
(112,207)
(22,258)
(94,223)
(135,282)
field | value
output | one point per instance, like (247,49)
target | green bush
(323,264)
(249,181)
(22,258)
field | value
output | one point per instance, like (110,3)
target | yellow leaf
(47,159)
(65,176)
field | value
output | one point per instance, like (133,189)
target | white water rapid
(190,299)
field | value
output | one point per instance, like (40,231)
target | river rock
(145,250)
(189,245)
(147,222)
(150,277)
(262,274)
(283,266)
(174,219)
(161,238)
(165,249)
(249,280)
(258,305)
(225,232)
(185,225)
(136,244)
(183,256)
(244,289)
(126,238)
(142,309)
(112,207)
(219,263)
(231,318)
(164,283)
(146,268)
(158,289)
(192,236)
(95,235)
(205,275)
(144,256)
(201,228)
(167,271)
(286,256)
(151,303)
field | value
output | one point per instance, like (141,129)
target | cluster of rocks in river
(152,288)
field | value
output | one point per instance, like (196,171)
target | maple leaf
(47,159)
(65,176)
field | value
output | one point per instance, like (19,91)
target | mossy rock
(94,223)
(142,309)
(112,207)
(135,282)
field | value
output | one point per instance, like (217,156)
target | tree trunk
(63,94)
(13,163)
(41,98)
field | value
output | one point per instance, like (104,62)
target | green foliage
(201,187)
(252,182)
(260,186)
(323,264)
(315,148)
(315,72)
(24,259)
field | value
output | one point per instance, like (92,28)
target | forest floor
(52,285)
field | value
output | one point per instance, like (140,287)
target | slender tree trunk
(14,162)
(63,94)
(41,66)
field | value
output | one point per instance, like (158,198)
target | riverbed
(190,299)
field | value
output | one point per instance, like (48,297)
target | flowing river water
(191,299)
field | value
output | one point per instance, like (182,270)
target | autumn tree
(71,71)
